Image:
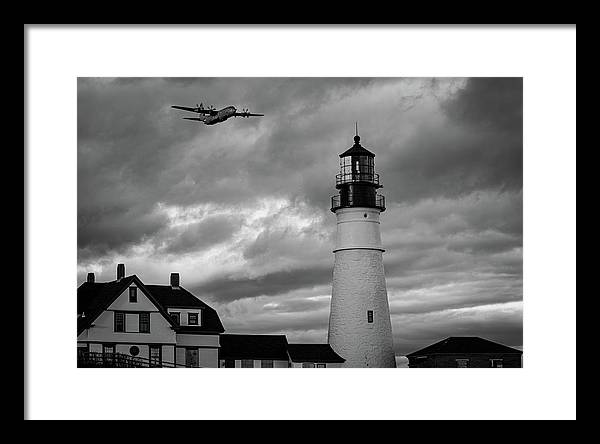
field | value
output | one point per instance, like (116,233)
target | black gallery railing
(120,360)
(350,177)
(358,200)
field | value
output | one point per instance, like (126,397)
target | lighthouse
(360,329)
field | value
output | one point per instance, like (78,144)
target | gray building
(465,351)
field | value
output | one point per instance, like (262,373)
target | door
(108,355)
(191,357)
(155,356)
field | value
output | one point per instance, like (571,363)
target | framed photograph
(336,199)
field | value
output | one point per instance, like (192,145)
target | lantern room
(357,180)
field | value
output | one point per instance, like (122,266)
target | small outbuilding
(314,356)
(465,351)
(253,351)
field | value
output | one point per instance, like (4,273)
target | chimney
(91,278)
(120,271)
(175,280)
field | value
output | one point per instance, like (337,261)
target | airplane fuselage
(221,116)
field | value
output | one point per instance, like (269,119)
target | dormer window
(176,316)
(192,318)
(132,294)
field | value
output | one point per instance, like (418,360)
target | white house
(125,323)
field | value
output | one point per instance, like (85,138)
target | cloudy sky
(241,209)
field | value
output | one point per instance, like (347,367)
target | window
(321,365)
(119,321)
(192,318)
(155,356)
(496,363)
(176,316)
(266,363)
(132,294)
(247,363)
(144,322)
(462,363)
(308,365)
(229,363)
(370,316)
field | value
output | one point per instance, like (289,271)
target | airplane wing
(246,114)
(195,110)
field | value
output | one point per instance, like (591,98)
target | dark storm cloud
(478,147)
(200,235)
(228,288)
(105,229)
(493,102)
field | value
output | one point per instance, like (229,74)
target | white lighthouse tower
(360,329)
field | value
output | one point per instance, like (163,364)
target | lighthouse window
(370,316)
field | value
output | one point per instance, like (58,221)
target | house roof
(94,297)
(357,149)
(464,345)
(313,353)
(179,297)
(235,346)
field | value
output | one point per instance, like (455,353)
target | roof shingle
(170,297)
(313,353)
(235,346)
(95,297)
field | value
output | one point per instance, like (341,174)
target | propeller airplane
(210,115)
